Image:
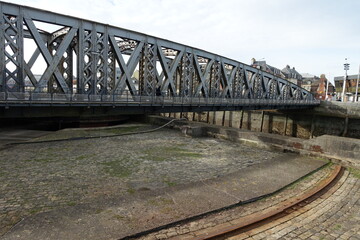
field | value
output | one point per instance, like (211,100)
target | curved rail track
(253,222)
(280,210)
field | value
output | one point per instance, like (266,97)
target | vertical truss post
(94,58)
(80,59)
(147,70)
(153,73)
(195,78)
(20,57)
(111,79)
(52,45)
(215,79)
(187,68)
(88,58)
(2,50)
(100,58)
(238,83)
(142,66)
(223,86)
(105,57)
(69,69)
(13,50)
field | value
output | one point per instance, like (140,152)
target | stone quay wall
(330,118)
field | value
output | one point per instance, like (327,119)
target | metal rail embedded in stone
(88,63)
(256,218)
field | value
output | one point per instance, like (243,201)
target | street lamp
(346,67)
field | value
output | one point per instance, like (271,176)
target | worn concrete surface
(108,188)
(333,216)
(13,134)
(337,146)
(217,221)
(345,151)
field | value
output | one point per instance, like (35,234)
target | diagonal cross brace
(279,89)
(126,68)
(28,66)
(248,84)
(263,83)
(51,61)
(228,80)
(202,76)
(169,70)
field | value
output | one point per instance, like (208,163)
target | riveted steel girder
(85,58)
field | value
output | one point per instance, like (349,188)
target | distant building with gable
(292,75)
(288,73)
(262,65)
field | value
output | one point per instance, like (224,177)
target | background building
(317,86)
(314,84)
(262,65)
(288,73)
(292,75)
(308,81)
(350,87)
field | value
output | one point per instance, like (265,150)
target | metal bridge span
(85,64)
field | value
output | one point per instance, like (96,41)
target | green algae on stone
(170,153)
(355,172)
(116,168)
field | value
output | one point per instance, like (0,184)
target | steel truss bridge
(89,64)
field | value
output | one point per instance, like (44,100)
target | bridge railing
(137,99)
(94,58)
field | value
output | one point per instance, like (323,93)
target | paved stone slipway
(108,188)
(227,217)
(336,215)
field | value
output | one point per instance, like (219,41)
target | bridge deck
(94,64)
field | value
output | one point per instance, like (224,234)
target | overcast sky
(314,36)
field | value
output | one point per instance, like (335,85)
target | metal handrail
(137,98)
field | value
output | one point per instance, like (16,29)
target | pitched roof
(291,72)
(266,67)
(307,75)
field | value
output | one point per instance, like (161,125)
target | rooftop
(349,77)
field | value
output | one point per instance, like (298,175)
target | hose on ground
(94,137)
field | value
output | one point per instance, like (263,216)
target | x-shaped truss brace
(203,84)
(169,71)
(128,67)
(228,79)
(52,61)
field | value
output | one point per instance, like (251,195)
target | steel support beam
(107,58)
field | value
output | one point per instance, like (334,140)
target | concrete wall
(329,119)
(337,146)
(338,149)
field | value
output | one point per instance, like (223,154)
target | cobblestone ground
(198,227)
(336,215)
(40,177)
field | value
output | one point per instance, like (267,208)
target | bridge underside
(109,110)
(85,64)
